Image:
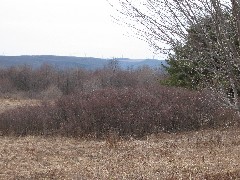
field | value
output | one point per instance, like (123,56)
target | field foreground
(209,154)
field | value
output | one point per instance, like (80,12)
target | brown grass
(11,103)
(209,154)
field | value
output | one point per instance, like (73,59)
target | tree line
(50,82)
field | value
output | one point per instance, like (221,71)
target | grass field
(196,155)
(207,154)
(10,103)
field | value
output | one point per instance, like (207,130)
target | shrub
(34,81)
(127,112)
(51,93)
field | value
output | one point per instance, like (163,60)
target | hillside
(62,62)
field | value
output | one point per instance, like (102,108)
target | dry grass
(197,155)
(10,103)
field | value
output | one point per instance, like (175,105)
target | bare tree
(165,24)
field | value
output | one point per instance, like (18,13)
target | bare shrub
(37,83)
(112,139)
(52,92)
(134,112)
(92,84)
(6,86)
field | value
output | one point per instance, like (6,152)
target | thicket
(127,111)
(49,82)
(95,103)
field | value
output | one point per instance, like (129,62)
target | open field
(209,154)
(10,103)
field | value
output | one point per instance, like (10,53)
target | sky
(66,27)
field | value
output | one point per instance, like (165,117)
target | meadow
(207,154)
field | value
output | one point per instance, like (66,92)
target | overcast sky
(65,27)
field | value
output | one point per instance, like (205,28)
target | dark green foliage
(182,73)
(195,63)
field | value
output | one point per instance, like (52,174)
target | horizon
(67,28)
(113,58)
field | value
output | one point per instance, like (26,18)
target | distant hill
(63,62)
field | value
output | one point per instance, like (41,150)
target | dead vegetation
(11,103)
(106,149)
(195,155)
(135,112)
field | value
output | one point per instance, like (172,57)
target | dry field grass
(209,154)
(10,103)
